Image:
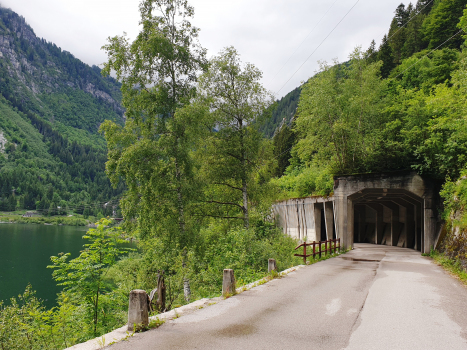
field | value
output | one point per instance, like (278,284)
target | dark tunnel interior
(388,216)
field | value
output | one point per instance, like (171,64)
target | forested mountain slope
(399,107)
(51,106)
(283,113)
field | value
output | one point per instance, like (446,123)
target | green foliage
(54,220)
(425,72)
(441,23)
(83,277)
(43,170)
(339,111)
(306,181)
(283,113)
(218,247)
(78,109)
(50,109)
(386,56)
(233,152)
(453,255)
(283,141)
(152,151)
(26,324)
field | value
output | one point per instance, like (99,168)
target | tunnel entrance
(398,209)
(389,217)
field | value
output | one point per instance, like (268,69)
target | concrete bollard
(138,310)
(228,283)
(272,265)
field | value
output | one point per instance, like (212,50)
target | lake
(25,252)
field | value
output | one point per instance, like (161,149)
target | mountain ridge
(52,157)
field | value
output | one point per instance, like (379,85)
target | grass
(452,266)
(17,218)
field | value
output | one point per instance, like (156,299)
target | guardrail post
(319,249)
(138,314)
(228,283)
(272,265)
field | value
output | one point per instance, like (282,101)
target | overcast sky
(274,35)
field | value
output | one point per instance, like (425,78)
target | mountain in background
(51,107)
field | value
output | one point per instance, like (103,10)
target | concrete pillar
(418,226)
(348,237)
(228,283)
(329,219)
(410,226)
(300,234)
(304,221)
(138,313)
(402,240)
(334,217)
(317,218)
(395,224)
(272,265)
(429,234)
(379,223)
(360,211)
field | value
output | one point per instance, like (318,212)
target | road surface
(374,297)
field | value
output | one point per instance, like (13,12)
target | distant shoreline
(43,220)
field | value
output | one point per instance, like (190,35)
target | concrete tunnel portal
(387,216)
(391,209)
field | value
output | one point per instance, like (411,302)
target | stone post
(228,283)
(272,265)
(138,310)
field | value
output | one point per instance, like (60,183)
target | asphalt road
(374,297)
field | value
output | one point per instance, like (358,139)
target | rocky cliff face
(31,67)
(3,142)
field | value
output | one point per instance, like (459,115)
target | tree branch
(223,184)
(225,203)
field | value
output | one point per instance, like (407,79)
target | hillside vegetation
(401,107)
(52,158)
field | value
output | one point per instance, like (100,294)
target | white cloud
(265,32)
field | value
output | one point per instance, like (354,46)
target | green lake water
(25,252)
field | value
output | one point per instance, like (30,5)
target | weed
(101,342)
(152,324)
(274,274)
(451,265)
(156,323)
(227,295)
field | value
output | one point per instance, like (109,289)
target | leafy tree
(233,152)
(414,41)
(84,277)
(151,153)
(441,23)
(283,141)
(339,112)
(425,73)
(463,25)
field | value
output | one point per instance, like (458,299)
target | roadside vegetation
(452,253)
